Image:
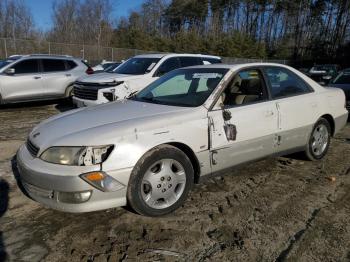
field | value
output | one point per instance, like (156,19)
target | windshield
(182,87)
(137,66)
(342,78)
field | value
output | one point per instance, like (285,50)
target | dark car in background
(342,81)
(323,74)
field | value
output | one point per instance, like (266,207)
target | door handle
(68,75)
(37,77)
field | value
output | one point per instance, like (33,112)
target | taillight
(89,71)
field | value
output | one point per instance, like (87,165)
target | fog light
(109,96)
(102,181)
(74,197)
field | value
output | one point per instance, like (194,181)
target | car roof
(236,66)
(161,55)
(15,57)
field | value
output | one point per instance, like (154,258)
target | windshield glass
(182,87)
(342,78)
(137,66)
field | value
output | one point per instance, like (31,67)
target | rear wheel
(160,181)
(319,140)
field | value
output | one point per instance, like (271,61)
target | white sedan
(149,150)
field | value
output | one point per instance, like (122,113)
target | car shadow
(62,105)
(4,200)
(30,104)
(15,172)
(65,105)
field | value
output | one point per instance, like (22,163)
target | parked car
(323,74)
(342,81)
(130,77)
(39,77)
(148,151)
(103,66)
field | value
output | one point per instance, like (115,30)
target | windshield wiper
(132,94)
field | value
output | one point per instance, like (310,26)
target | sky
(41,10)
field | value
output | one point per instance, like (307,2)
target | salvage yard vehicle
(148,151)
(323,74)
(342,81)
(39,77)
(133,75)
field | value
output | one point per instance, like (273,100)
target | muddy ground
(279,209)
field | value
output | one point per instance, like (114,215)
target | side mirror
(10,71)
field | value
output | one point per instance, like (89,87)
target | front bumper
(44,182)
(85,102)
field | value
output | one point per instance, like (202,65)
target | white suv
(133,75)
(39,77)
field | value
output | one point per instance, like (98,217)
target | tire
(319,140)
(160,181)
(69,92)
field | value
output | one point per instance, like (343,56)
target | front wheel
(319,140)
(160,181)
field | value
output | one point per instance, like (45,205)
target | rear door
(56,76)
(25,84)
(297,106)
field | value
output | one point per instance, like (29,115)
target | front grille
(33,150)
(348,105)
(83,92)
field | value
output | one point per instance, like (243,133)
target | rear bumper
(44,182)
(340,122)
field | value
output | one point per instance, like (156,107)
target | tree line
(279,29)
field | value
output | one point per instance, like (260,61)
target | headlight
(77,156)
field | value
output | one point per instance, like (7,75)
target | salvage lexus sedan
(148,151)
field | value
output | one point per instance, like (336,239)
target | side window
(70,64)
(246,87)
(190,61)
(168,65)
(53,65)
(285,83)
(27,67)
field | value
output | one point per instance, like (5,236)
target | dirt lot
(283,209)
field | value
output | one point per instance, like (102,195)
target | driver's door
(254,124)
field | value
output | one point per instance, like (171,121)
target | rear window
(53,65)
(70,64)
(190,61)
(207,60)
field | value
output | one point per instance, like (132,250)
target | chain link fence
(92,53)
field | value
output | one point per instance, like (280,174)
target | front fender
(130,148)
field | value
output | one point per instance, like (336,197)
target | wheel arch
(331,122)
(68,89)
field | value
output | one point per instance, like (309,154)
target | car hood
(101,122)
(107,78)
